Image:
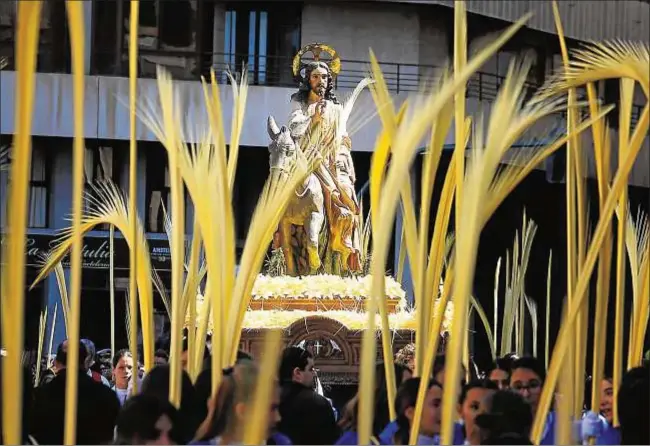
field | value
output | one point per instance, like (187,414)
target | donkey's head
(283,150)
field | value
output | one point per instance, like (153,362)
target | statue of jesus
(314,123)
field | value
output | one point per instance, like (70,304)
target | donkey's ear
(272,128)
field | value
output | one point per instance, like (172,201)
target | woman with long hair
(156,383)
(431,412)
(472,402)
(230,408)
(381,417)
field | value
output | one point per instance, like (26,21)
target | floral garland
(352,320)
(323,286)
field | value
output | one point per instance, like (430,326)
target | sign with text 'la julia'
(95,251)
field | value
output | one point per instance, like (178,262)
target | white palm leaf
(349,104)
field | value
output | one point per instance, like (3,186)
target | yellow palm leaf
(257,432)
(107,205)
(42,320)
(239,94)
(406,140)
(620,181)
(637,239)
(605,60)
(625,112)
(63,290)
(12,290)
(524,163)
(476,305)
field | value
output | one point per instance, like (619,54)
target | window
(158,189)
(7,24)
(98,164)
(167,36)
(265,37)
(39,183)
(254,55)
(38,190)
(101,163)
(53,44)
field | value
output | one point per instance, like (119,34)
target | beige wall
(391,30)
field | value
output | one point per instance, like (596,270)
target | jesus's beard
(320,91)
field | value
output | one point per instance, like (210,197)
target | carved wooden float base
(336,348)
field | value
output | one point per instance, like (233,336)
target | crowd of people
(496,406)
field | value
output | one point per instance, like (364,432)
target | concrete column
(61,208)
(54,300)
(61,185)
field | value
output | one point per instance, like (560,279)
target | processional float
(320,263)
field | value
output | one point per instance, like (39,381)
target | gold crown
(316,49)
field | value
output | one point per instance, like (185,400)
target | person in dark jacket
(307,417)
(27,397)
(156,383)
(509,418)
(97,407)
(145,419)
(634,406)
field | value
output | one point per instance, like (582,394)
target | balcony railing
(262,70)
(275,71)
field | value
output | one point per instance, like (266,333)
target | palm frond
(534,319)
(168,232)
(600,233)
(106,204)
(637,241)
(208,176)
(256,432)
(496,301)
(239,95)
(160,287)
(42,321)
(449,246)
(127,318)
(62,286)
(406,138)
(52,331)
(604,60)
(349,104)
(476,305)
(12,291)
(523,163)
(636,236)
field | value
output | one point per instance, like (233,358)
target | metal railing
(264,70)
(634,117)
(269,70)
(261,70)
(276,71)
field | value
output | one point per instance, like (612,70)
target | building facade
(413,40)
